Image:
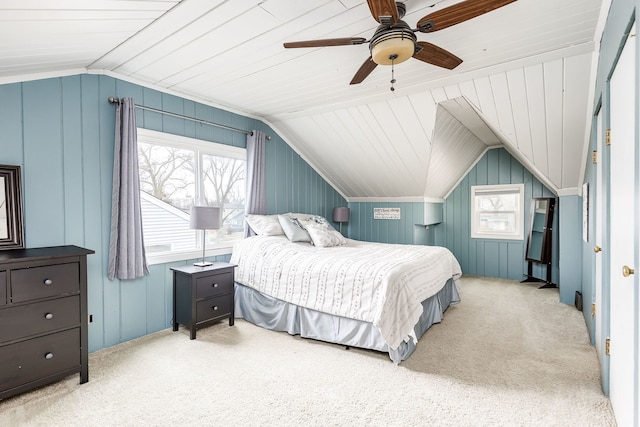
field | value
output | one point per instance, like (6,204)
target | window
(179,172)
(497,211)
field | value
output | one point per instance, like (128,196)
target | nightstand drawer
(215,284)
(38,358)
(41,282)
(31,319)
(3,287)
(212,308)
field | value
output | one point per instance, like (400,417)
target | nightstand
(202,295)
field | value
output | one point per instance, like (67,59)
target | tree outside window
(174,177)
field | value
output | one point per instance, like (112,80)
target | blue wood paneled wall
(478,257)
(61,131)
(362,226)
(488,257)
(294,186)
(570,234)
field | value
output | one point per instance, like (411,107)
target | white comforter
(374,282)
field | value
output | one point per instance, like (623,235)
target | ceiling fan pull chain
(393,79)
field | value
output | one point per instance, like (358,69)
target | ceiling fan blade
(458,13)
(438,56)
(384,11)
(327,42)
(363,72)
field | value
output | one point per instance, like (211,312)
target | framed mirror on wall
(539,240)
(11,226)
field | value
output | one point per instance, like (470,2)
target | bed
(359,294)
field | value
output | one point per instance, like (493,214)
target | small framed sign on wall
(386,213)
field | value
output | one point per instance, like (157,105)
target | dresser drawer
(215,284)
(41,282)
(214,307)
(37,358)
(3,287)
(36,318)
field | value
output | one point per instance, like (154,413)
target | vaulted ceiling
(525,83)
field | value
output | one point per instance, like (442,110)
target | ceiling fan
(394,41)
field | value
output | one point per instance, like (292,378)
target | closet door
(623,234)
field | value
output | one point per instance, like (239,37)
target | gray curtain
(126,246)
(256,194)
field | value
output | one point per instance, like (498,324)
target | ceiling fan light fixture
(392,44)
(392,50)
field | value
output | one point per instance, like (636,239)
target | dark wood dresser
(43,317)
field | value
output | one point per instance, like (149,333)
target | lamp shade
(341,214)
(398,48)
(205,218)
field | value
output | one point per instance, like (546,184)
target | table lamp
(340,215)
(204,218)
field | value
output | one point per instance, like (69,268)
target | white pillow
(292,228)
(264,225)
(323,237)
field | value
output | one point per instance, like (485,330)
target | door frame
(600,292)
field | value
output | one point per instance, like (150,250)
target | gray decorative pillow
(293,229)
(310,219)
(264,225)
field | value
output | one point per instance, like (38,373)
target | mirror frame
(545,250)
(11,207)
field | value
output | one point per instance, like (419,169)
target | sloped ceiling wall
(455,150)
(537,111)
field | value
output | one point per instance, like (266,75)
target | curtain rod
(113,100)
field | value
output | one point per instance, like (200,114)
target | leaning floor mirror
(540,238)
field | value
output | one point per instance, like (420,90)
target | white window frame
(485,190)
(205,147)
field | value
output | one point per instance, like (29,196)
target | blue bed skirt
(278,315)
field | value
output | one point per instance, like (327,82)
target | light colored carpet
(508,354)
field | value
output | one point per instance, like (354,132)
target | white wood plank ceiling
(525,82)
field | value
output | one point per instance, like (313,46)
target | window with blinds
(497,211)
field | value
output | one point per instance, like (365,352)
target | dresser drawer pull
(215,285)
(48,282)
(48,356)
(215,308)
(48,316)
